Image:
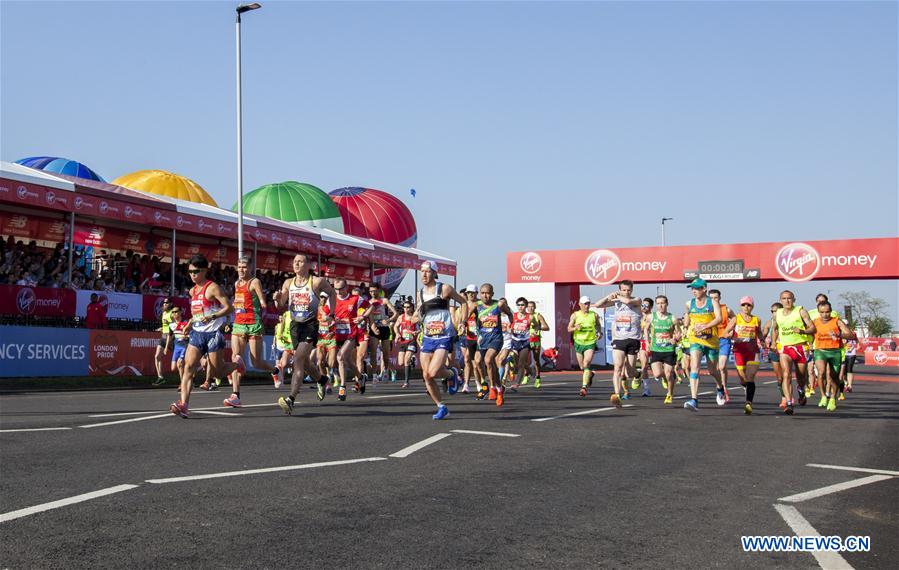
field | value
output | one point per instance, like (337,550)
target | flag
(412,191)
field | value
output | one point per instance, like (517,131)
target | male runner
(249,303)
(283,346)
(383,314)
(702,318)
(180,331)
(538,327)
(490,339)
(813,378)
(406,330)
(851,354)
(724,343)
(165,340)
(437,326)
(347,321)
(469,322)
(209,308)
(362,339)
(661,337)
(520,330)
(626,335)
(746,331)
(326,347)
(300,294)
(643,356)
(791,324)
(586,329)
(829,334)
(773,351)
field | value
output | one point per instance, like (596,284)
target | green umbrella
(293,202)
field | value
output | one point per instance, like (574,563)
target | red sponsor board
(152,306)
(875,258)
(122,353)
(37,301)
(882,358)
(26,194)
(28,226)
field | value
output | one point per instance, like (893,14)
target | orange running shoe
(616,400)
(492,395)
(499,398)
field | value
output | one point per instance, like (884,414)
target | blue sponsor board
(39,351)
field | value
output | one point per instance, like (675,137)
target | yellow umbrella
(163,183)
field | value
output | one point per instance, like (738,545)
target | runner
(326,347)
(362,341)
(851,353)
(586,329)
(506,359)
(773,352)
(643,356)
(383,314)
(348,320)
(469,322)
(209,308)
(180,331)
(791,324)
(406,330)
(437,326)
(300,293)
(282,345)
(746,330)
(682,370)
(249,303)
(813,377)
(724,341)
(165,340)
(662,335)
(521,335)
(829,334)
(488,313)
(702,317)
(626,335)
(538,327)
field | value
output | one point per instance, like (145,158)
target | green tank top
(662,339)
(585,333)
(283,338)
(166,321)
(793,320)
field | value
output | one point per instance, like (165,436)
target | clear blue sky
(521,125)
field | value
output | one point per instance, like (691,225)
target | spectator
(96,314)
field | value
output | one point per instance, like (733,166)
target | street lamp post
(664,290)
(240,10)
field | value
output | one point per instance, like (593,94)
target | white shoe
(720,398)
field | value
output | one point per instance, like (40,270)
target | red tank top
(521,326)
(346,311)
(471,327)
(407,330)
(244,308)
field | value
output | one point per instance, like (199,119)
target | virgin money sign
(36,301)
(874,258)
(26,194)
(881,358)
(118,305)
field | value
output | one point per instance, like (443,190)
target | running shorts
(519,345)
(850,362)
(180,349)
(582,348)
(724,347)
(535,344)
(507,342)
(207,342)
(489,341)
(381,333)
(163,340)
(745,353)
(710,353)
(471,344)
(306,331)
(361,336)
(407,347)
(773,356)
(668,358)
(250,331)
(626,345)
(327,343)
(431,345)
(795,352)
(831,356)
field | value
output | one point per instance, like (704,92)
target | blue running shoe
(442,412)
(625,396)
(646,393)
(453,385)
(691,405)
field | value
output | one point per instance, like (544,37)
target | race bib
(622,323)
(323,330)
(239,302)
(407,335)
(343,327)
(435,328)
(196,309)
(664,339)
(300,302)
(488,323)
(520,327)
(745,333)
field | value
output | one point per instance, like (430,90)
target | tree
(867,311)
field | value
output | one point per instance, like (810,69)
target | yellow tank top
(585,333)
(703,315)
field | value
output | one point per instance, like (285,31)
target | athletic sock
(586,377)
(407,369)
(750,391)
(694,375)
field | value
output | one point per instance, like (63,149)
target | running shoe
(405,385)
(626,396)
(218,381)
(789,409)
(213,387)
(159,381)
(802,398)
(831,404)
(615,399)
(664,383)
(179,409)
(691,405)
(233,401)
(500,398)
(823,402)
(453,381)
(329,389)
(320,392)
(465,389)
(849,388)
(482,392)
(719,398)
(635,383)
(783,404)
(276,377)
(492,393)
(747,408)
(442,413)
(809,391)
(726,396)
(286,404)
(646,393)
(842,397)
(525,380)
(356,386)
(341,394)
(205,386)
(582,392)
(537,383)
(393,375)
(668,399)
(590,379)
(241,367)
(362,385)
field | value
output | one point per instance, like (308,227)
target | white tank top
(303,303)
(627,322)
(201,307)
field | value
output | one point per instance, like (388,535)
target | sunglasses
(644,306)
(195,271)
(522,305)
(746,305)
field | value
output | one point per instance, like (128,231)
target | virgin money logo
(602,267)
(25,301)
(50,197)
(78,202)
(221,228)
(203,225)
(22,192)
(179,221)
(797,262)
(531,262)
(128,211)
(104,207)
(881,357)
(157,216)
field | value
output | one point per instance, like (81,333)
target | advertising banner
(882,358)
(41,352)
(28,227)
(118,305)
(37,301)
(122,353)
(152,306)
(876,258)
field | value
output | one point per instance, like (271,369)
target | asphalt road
(644,486)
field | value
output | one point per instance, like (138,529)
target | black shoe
(802,398)
(789,410)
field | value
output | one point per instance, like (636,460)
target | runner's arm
(215,292)
(606,301)
(324,286)
(256,287)
(571,326)
(845,332)
(280,297)
(544,326)
(807,321)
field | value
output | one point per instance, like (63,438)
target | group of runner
(645,332)
(327,332)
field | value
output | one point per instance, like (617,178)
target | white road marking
(118,414)
(496,433)
(801,527)
(394,396)
(33,429)
(581,413)
(166,415)
(406,452)
(264,470)
(690,396)
(859,469)
(770,382)
(64,502)
(798,498)
(226,414)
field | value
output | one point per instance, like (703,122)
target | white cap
(471,287)
(428,264)
(585,299)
